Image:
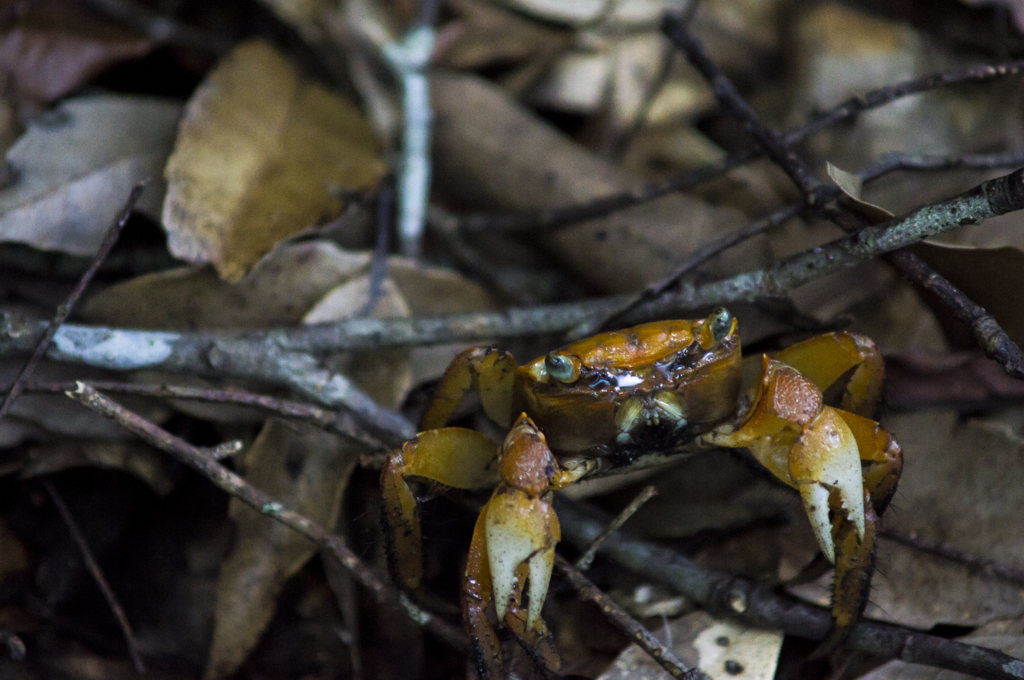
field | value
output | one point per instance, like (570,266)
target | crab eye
(721,324)
(715,328)
(561,368)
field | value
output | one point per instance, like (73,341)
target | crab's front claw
(824,464)
(521,531)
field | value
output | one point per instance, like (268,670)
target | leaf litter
(266,152)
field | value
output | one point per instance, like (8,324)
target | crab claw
(520,530)
(824,461)
(521,527)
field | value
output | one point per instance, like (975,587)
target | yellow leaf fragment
(261,154)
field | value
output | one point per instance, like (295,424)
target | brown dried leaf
(308,471)
(493,154)
(132,457)
(484,35)
(277,292)
(75,166)
(55,47)
(261,155)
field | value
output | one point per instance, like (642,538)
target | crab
(625,399)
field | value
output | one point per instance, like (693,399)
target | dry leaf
(261,155)
(277,292)
(307,470)
(75,166)
(494,155)
(132,457)
(991,277)
(722,649)
(57,46)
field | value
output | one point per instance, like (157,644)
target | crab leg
(489,372)
(453,456)
(827,359)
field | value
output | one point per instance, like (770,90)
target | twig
(989,335)
(267,505)
(64,310)
(587,558)
(288,356)
(409,59)
(629,626)
(97,575)
(379,263)
(884,165)
(337,422)
(985,566)
(726,595)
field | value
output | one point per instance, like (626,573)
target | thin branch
(267,505)
(989,335)
(725,595)
(587,558)
(97,575)
(629,626)
(985,566)
(770,139)
(546,219)
(884,165)
(65,309)
(409,59)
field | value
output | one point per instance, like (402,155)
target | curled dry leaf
(261,154)
(132,457)
(75,166)
(721,649)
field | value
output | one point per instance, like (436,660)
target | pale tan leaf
(385,375)
(261,154)
(722,649)
(75,166)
